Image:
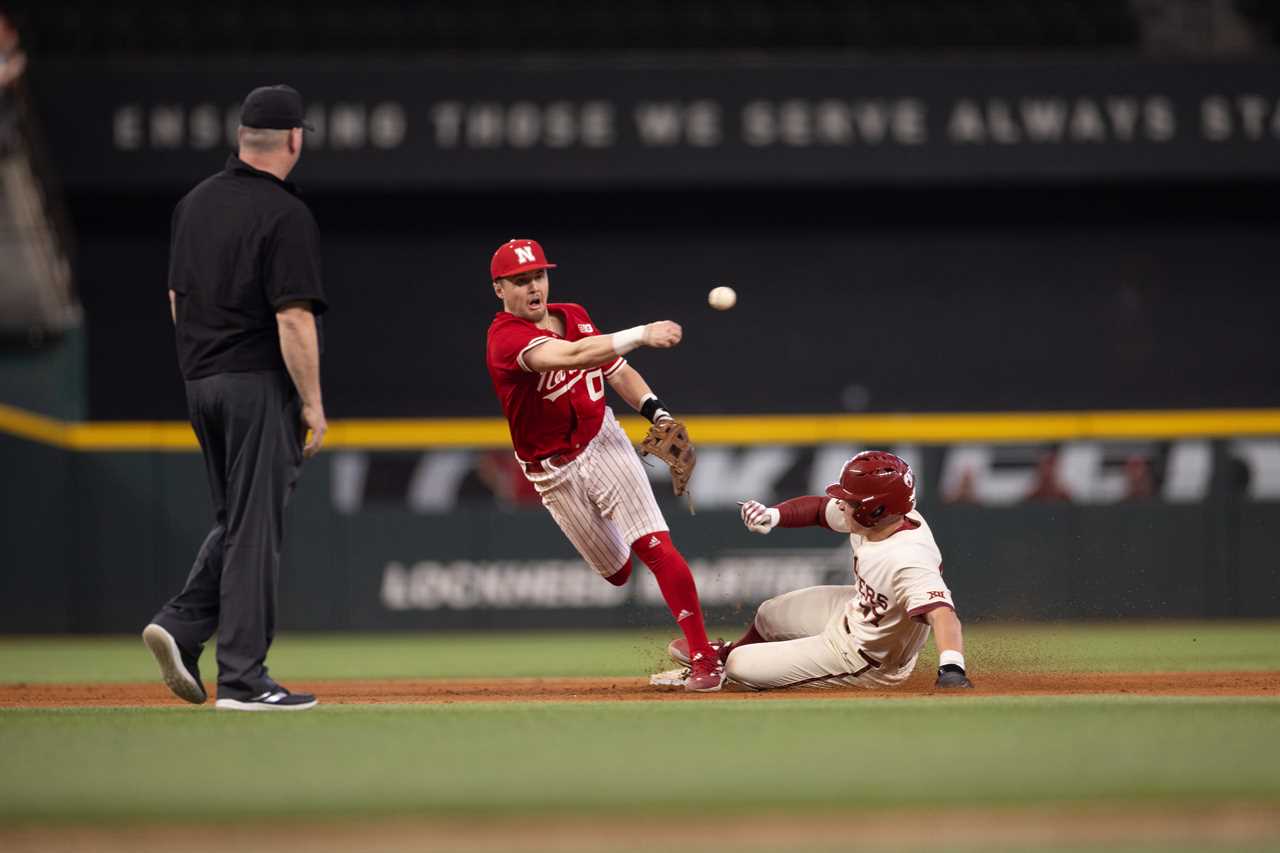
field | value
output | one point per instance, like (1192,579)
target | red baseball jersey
(554,412)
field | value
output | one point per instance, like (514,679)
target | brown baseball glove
(669,441)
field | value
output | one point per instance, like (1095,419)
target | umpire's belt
(558,460)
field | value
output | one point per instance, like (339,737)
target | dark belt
(557,460)
(872,663)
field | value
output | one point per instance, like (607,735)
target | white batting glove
(759,518)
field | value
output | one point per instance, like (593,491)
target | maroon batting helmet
(875,484)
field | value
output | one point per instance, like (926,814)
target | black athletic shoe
(181,674)
(278,699)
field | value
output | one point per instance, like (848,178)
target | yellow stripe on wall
(705,429)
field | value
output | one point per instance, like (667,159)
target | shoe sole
(164,648)
(690,688)
(237,705)
(676,653)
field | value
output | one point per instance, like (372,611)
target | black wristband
(650,408)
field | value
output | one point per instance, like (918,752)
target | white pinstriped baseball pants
(807,646)
(602,499)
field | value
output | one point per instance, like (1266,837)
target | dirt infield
(411,691)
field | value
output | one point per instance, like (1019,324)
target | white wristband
(950,656)
(627,340)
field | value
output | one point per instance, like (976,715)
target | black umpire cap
(273,108)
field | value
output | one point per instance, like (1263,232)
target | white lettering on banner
(347,126)
(800,123)
(1090,472)
(561,125)
(348,473)
(1252,117)
(126,127)
(1187,471)
(167,127)
(522,124)
(1262,459)
(435,482)
(1083,471)
(484,126)
(792,122)
(1040,119)
(665,124)
(206,127)
(471,585)
(974,464)
(742,580)
(388,125)
(828,461)
(446,120)
(1045,119)
(556,584)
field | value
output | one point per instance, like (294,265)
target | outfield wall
(906,285)
(95,539)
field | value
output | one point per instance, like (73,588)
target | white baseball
(722,298)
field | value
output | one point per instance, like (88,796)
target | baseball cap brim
(525,268)
(281,124)
(835,490)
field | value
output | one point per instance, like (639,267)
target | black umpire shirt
(242,245)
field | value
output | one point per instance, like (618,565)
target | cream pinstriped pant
(602,499)
(808,645)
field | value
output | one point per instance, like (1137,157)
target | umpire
(244,292)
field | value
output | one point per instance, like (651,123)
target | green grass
(1140,647)
(737,756)
(386,655)
(731,757)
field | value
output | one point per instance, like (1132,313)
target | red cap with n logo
(516,256)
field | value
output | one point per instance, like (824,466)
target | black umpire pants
(251,434)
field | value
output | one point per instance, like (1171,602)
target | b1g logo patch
(586,328)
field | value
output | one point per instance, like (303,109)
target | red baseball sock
(676,582)
(752,636)
(622,575)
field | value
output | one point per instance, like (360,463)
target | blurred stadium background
(1027,245)
(1030,246)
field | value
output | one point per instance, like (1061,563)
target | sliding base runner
(868,634)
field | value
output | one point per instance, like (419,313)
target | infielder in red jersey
(870,633)
(549,365)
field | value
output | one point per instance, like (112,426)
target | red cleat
(706,674)
(679,650)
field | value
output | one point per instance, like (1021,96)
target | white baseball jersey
(868,634)
(896,582)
